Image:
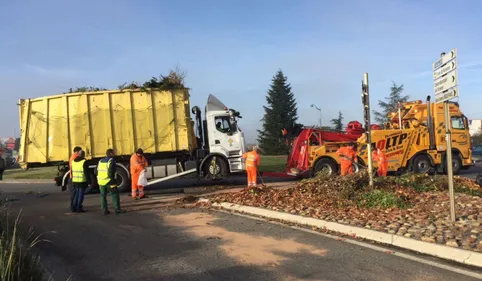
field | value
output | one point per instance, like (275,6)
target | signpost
(445,80)
(366,113)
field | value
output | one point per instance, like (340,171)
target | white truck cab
(224,136)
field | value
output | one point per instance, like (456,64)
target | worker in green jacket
(106,178)
(80,180)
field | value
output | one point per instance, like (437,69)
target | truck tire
(325,165)
(456,164)
(422,164)
(219,171)
(123,180)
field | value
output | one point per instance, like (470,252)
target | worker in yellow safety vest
(106,178)
(80,172)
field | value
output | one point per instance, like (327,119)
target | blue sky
(233,48)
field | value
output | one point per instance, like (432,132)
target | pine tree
(280,113)
(391,103)
(338,122)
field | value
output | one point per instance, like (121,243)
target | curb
(440,251)
(13,181)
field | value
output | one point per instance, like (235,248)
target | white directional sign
(445,82)
(445,76)
(446,69)
(450,94)
(444,59)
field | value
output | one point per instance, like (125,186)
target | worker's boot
(120,211)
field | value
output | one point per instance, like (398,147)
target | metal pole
(399,117)
(368,128)
(448,159)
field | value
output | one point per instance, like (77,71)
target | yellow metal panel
(36,140)
(100,111)
(57,130)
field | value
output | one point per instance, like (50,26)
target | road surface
(155,242)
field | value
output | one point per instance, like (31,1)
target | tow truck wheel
(456,164)
(421,164)
(325,166)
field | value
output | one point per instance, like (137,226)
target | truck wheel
(123,181)
(456,164)
(421,164)
(215,170)
(325,166)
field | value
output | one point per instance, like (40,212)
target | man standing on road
(347,158)
(77,149)
(3,164)
(252,162)
(80,177)
(138,163)
(106,178)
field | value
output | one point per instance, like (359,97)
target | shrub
(382,199)
(17,262)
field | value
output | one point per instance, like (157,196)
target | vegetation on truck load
(281,113)
(174,80)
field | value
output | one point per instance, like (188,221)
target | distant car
(477,153)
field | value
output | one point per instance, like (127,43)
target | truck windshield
(224,125)
(458,123)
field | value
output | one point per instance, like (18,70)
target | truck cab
(222,142)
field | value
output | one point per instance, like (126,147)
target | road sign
(444,59)
(445,96)
(446,82)
(445,69)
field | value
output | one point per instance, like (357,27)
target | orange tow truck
(413,141)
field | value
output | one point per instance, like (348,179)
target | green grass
(268,164)
(272,163)
(34,174)
(17,261)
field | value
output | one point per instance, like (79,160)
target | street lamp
(319,109)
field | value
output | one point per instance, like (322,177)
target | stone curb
(7,181)
(439,251)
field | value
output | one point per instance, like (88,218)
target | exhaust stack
(199,125)
(431,132)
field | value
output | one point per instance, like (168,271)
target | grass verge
(44,173)
(270,163)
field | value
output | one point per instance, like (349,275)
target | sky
(232,49)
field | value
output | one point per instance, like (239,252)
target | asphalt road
(154,242)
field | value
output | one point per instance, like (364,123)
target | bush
(382,199)
(17,262)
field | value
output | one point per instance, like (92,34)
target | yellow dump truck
(413,141)
(158,121)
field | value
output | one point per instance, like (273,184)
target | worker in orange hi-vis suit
(137,164)
(348,156)
(252,162)
(382,161)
